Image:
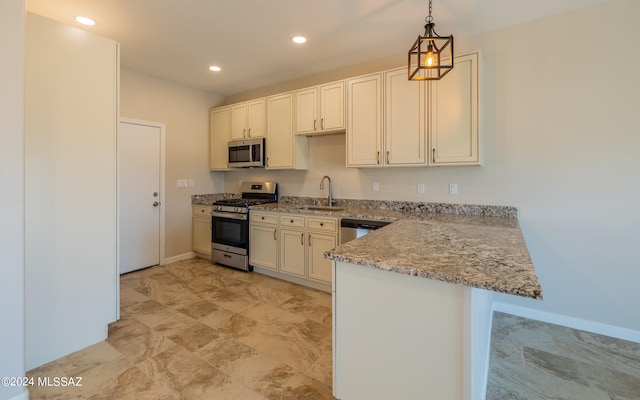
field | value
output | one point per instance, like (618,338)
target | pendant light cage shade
(431,56)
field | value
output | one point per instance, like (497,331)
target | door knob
(156,204)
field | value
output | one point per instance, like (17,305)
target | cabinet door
(454,132)
(364,121)
(238,121)
(405,129)
(280,131)
(263,246)
(218,139)
(319,267)
(306,110)
(202,235)
(292,252)
(332,106)
(255,118)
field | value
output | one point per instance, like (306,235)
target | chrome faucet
(331,203)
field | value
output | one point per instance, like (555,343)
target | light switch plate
(453,188)
(421,188)
(376,186)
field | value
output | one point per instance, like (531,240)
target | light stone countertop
(480,251)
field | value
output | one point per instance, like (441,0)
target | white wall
(185,113)
(71,80)
(561,144)
(12,195)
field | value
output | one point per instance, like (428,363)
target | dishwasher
(354,228)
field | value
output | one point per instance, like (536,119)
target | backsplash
(439,208)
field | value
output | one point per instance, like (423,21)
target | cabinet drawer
(292,220)
(323,224)
(202,211)
(263,218)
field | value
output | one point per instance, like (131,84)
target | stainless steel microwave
(246,153)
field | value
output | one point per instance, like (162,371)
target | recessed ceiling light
(215,68)
(85,20)
(299,39)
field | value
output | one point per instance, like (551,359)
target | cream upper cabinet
(454,126)
(364,121)
(405,132)
(392,121)
(218,138)
(248,119)
(386,96)
(284,149)
(320,109)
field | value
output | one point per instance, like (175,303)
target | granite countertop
(476,246)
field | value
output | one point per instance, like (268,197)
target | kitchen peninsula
(411,301)
(399,335)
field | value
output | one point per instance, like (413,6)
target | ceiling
(178,40)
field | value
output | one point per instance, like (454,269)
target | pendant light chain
(431,56)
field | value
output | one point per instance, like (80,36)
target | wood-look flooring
(533,360)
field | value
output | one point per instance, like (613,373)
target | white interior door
(139,195)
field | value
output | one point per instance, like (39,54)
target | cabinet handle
(267,161)
(302,239)
(274,234)
(244,131)
(387,156)
(309,240)
(249,132)
(378,157)
(322,123)
(433,155)
(314,124)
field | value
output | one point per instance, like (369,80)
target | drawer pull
(261,217)
(291,221)
(321,223)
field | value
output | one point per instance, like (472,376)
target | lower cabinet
(263,246)
(318,267)
(293,246)
(201,224)
(292,252)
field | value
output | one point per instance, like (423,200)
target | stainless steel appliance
(354,228)
(230,224)
(246,153)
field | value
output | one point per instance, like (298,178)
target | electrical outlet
(376,186)
(421,188)
(190,182)
(182,183)
(453,188)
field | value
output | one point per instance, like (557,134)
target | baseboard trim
(569,322)
(179,257)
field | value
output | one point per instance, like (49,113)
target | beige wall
(185,113)
(561,144)
(12,39)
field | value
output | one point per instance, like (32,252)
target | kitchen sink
(318,208)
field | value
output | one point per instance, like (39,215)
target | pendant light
(431,56)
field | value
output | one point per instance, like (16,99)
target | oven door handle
(229,215)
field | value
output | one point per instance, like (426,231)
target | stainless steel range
(230,224)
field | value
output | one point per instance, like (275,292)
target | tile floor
(195,330)
(533,360)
